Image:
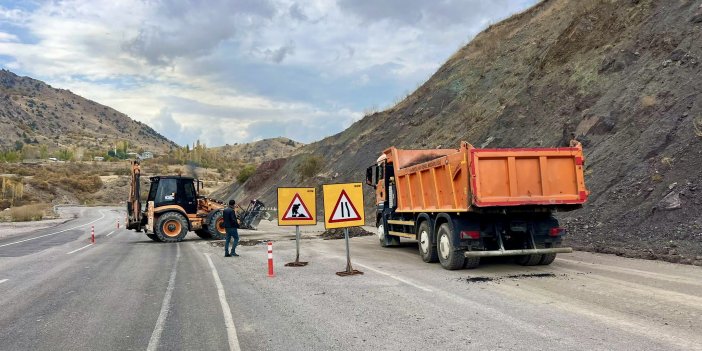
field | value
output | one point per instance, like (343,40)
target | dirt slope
(260,151)
(33,112)
(624,75)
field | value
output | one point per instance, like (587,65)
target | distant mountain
(260,151)
(33,112)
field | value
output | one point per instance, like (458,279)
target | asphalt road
(126,292)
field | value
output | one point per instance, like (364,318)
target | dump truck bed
(468,178)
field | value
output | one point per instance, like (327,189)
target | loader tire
(529,260)
(547,259)
(450,257)
(154,237)
(203,233)
(171,227)
(427,247)
(216,226)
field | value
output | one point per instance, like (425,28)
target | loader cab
(174,191)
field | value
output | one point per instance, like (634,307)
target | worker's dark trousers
(231,233)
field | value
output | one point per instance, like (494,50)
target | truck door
(380,190)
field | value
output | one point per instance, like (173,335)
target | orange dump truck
(467,203)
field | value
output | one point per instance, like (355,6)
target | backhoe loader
(173,208)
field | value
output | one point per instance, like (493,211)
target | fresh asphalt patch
(480,279)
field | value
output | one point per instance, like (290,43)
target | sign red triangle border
(358,218)
(297,195)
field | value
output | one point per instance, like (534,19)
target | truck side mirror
(369,176)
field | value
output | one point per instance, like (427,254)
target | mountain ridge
(33,112)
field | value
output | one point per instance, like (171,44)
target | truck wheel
(449,256)
(216,226)
(171,227)
(427,249)
(203,233)
(153,237)
(472,262)
(547,259)
(529,260)
(385,239)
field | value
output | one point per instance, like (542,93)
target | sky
(233,71)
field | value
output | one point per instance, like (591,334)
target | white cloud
(7,37)
(238,70)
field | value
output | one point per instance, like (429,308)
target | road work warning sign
(296,206)
(343,205)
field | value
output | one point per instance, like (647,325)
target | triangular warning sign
(344,210)
(297,210)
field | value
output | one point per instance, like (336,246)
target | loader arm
(134,210)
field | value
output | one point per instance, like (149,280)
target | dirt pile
(623,75)
(333,234)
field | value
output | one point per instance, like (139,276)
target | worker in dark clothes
(231,227)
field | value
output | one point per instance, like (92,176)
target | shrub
(245,174)
(309,166)
(648,101)
(33,212)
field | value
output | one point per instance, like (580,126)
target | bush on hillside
(309,166)
(245,174)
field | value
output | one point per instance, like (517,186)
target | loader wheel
(529,260)
(216,226)
(427,248)
(547,259)
(171,227)
(154,237)
(449,256)
(203,233)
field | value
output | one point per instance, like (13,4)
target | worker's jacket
(229,217)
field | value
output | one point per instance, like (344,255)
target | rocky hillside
(260,151)
(624,75)
(32,112)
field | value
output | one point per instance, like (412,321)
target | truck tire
(472,262)
(427,248)
(529,260)
(216,226)
(203,233)
(547,259)
(154,237)
(171,227)
(385,239)
(449,256)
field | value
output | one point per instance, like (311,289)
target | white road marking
(4,280)
(65,230)
(76,250)
(165,306)
(228,320)
(110,233)
(394,277)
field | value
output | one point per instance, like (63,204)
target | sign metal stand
(297,262)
